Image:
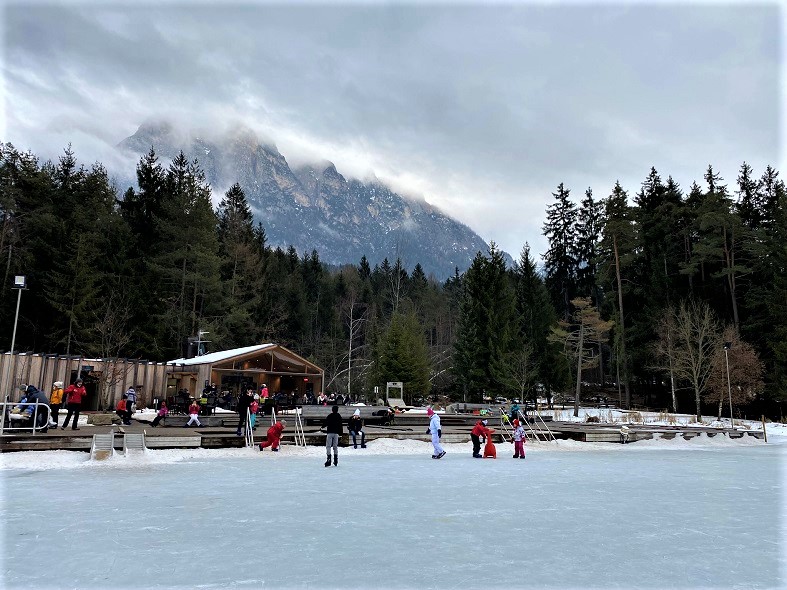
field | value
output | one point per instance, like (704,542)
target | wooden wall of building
(105,379)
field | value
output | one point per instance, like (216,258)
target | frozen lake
(691,516)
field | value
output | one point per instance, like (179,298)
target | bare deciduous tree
(111,331)
(746,370)
(697,341)
(665,352)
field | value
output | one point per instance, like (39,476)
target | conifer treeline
(136,276)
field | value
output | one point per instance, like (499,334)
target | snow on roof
(215,357)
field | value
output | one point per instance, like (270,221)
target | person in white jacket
(436,431)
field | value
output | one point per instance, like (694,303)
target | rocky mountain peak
(316,207)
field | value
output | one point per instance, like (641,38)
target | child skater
(520,438)
(253,407)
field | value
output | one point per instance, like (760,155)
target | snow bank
(40,460)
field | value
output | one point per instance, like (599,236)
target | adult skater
(480,431)
(355,427)
(334,429)
(274,436)
(436,432)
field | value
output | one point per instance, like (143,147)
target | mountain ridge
(315,207)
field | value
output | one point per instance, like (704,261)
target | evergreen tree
(186,257)
(486,329)
(560,260)
(588,232)
(618,244)
(403,357)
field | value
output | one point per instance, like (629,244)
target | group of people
(127,405)
(35,404)
(481,433)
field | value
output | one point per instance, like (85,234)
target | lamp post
(20,283)
(727,346)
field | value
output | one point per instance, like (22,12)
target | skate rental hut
(280,369)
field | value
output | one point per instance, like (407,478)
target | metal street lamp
(727,346)
(20,282)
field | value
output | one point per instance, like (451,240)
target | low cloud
(481,110)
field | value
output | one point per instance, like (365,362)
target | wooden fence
(105,379)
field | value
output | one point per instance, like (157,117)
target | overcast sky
(481,109)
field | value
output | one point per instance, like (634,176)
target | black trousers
(73,409)
(55,410)
(476,444)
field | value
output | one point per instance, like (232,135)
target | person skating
(74,394)
(334,429)
(436,432)
(355,427)
(519,440)
(273,436)
(480,431)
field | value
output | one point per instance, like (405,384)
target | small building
(280,369)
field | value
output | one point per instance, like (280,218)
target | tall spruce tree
(619,243)
(560,259)
(486,330)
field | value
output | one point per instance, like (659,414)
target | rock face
(316,208)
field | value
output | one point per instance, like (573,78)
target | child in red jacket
(274,436)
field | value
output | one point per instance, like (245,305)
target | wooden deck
(221,433)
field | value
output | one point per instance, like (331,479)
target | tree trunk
(622,325)
(579,369)
(729,259)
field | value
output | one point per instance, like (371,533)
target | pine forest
(645,295)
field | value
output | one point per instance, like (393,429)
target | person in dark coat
(33,395)
(244,401)
(334,429)
(355,427)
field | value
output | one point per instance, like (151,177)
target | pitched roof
(215,357)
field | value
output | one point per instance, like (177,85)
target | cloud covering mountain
(313,206)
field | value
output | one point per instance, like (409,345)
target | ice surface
(705,513)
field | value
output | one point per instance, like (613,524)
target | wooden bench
(607,436)
(369,414)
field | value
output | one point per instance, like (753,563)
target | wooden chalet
(249,367)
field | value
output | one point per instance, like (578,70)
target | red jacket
(121,407)
(480,430)
(275,431)
(75,394)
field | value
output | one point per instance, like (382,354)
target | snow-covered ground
(702,513)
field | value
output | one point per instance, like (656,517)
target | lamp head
(20,282)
